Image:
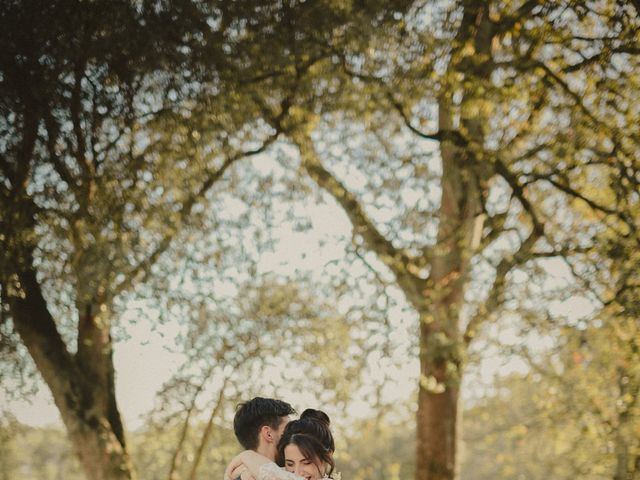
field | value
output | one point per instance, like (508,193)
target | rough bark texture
(441,347)
(81,385)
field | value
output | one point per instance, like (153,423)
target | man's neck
(266,451)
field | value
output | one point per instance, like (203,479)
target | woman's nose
(298,470)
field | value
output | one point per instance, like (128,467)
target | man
(259,423)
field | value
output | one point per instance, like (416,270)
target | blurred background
(420,217)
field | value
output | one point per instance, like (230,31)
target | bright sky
(143,362)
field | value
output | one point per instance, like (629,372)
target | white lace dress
(271,471)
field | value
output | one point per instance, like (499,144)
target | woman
(305,451)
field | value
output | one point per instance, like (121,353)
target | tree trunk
(441,343)
(625,443)
(465,172)
(436,422)
(439,299)
(81,384)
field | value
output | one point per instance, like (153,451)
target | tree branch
(59,165)
(38,331)
(207,430)
(28,145)
(140,272)
(177,454)
(518,192)
(507,22)
(398,261)
(85,165)
(495,298)
(573,193)
(407,121)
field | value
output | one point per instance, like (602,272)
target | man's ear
(266,432)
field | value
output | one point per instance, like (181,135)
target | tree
(450,133)
(574,413)
(391,456)
(577,409)
(515,98)
(98,174)
(114,132)
(29,452)
(223,352)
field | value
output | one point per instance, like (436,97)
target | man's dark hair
(251,416)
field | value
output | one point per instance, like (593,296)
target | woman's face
(296,462)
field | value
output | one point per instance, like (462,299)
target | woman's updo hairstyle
(316,423)
(316,414)
(311,433)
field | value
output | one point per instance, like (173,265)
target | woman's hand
(242,473)
(245,465)
(235,468)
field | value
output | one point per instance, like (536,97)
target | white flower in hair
(335,476)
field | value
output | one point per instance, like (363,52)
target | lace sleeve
(271,471)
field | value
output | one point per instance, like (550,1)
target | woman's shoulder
(271,471)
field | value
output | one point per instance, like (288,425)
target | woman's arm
(271,471)
(248,460)
(260,467)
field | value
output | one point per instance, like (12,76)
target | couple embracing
(279,449)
